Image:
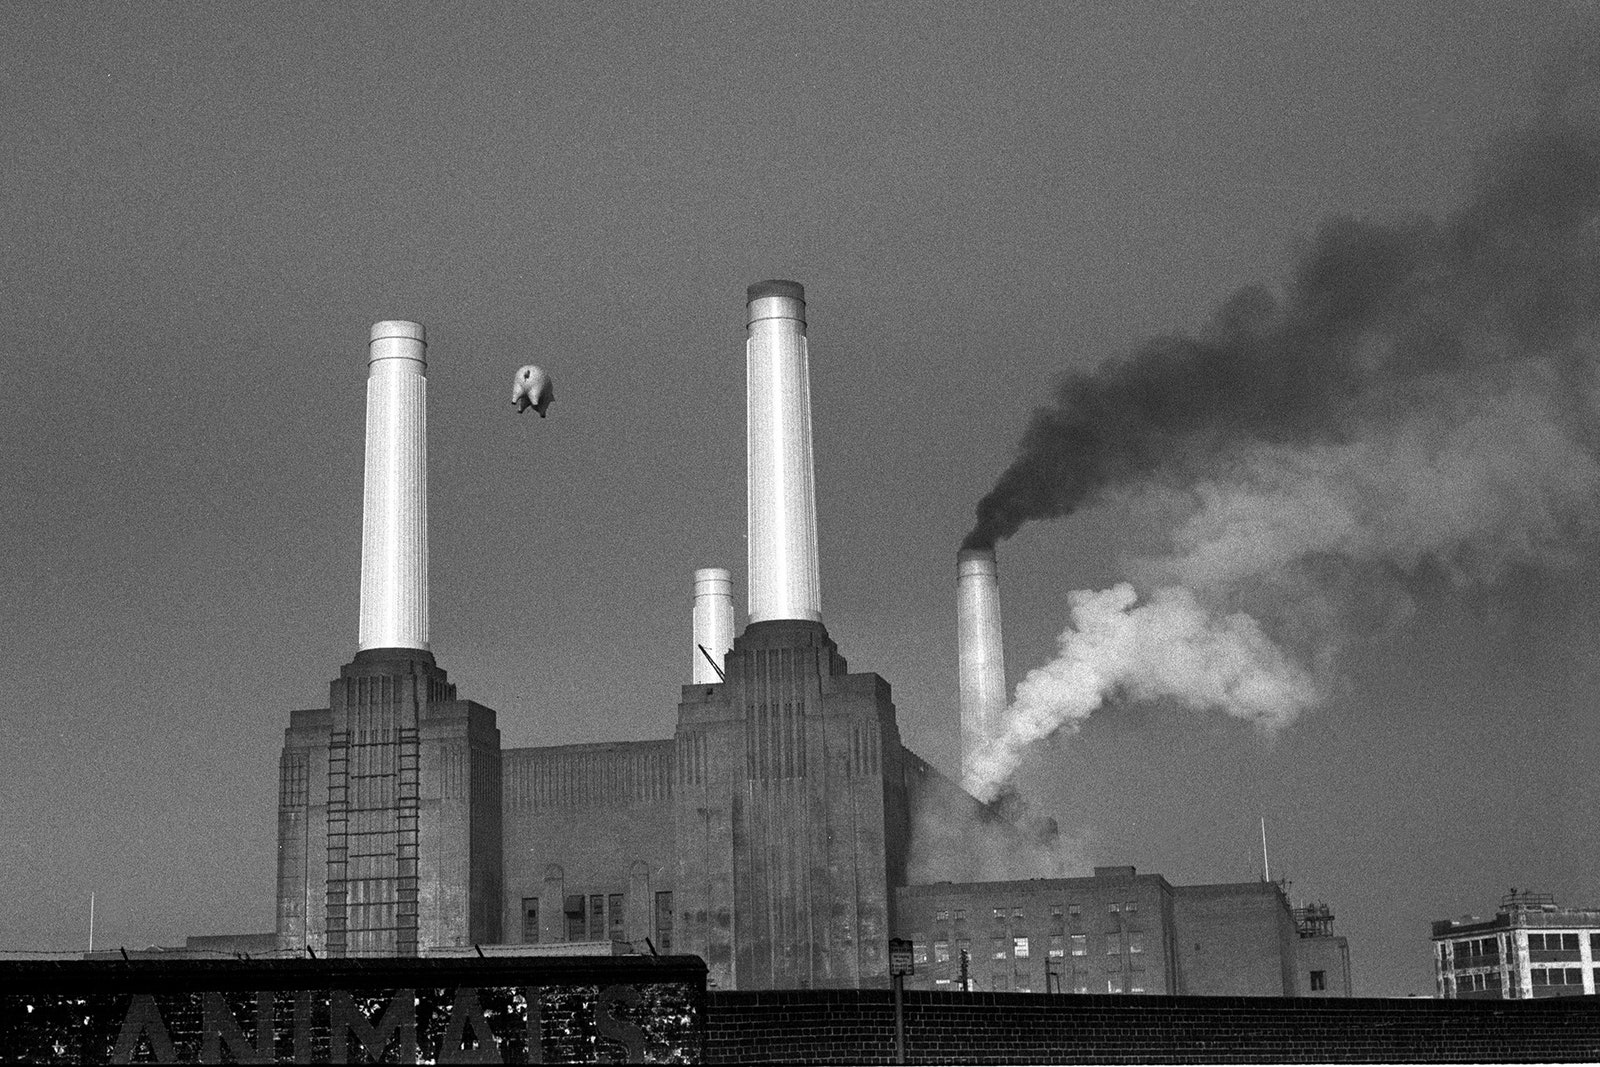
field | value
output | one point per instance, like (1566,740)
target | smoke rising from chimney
(1422,395)
(1369,309)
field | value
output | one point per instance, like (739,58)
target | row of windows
(1014,913)
(598,917)
(1557,942)
(1022,947)
(1561,976)
(1469,983)
(1482,946)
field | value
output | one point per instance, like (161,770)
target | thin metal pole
(1265,866)
(899,1019)
(91,920)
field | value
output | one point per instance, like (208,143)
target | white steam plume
(1467,476)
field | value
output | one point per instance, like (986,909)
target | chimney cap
(402,328)
(775,287)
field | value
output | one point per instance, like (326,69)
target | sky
(206,206)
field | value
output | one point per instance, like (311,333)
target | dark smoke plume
(1369,310)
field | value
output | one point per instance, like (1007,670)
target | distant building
(1530,950)
(1322,959)
(1117,932)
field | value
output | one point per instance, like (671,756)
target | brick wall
(817,1026)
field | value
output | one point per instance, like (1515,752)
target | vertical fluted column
(783,575)
(980,648)
(394,535)
(713,622)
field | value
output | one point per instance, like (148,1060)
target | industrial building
(769,835)
(1532,949)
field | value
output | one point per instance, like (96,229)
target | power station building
(769,835)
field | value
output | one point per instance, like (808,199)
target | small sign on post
(900,957)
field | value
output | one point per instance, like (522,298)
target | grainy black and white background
(204,207)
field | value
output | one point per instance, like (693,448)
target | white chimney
(980,649)
(713,623)
(783,575)
(394,528)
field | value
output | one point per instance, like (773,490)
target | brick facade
(858,1027)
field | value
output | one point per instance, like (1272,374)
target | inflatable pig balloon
(532,389)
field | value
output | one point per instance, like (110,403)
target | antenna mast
(1266,867)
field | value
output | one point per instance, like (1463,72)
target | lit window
(961,915)
(1080,987)
(1057,948)
(1075,910)
(1137,987)
(941,952)
(1016,913)
(1114,984)
(1080,944)
(1132,905)
(942,915)
(1319,981)
(1019,947)
(1135,942)
(919,951)
(1055,911)
(940,983)
(1114,907)
(997,948)
(999,913)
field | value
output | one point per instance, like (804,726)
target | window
(1019,947)
(942,915)
(1055,911)
(961,915)
(1114,907)
(530,920)
(1319,981)
(997,948)
(574,910)
(1113,945)
(1080,944)
(964,947)
(1594,946)
(999,913)
(1080,987)
(919,950)
(941,983)
(1016,913)
(1541,976)
(1135,942)
(1075,910)
(941,952)
(1131,906)
(664,920)
(999,981)
(1137,987)
(597,917)
(1114,984)
(616,929)
(1057,947)
(1569,943)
